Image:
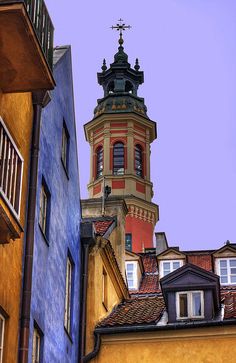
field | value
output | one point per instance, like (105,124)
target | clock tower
(120,135)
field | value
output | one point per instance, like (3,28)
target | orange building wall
(16,111)
(142,233)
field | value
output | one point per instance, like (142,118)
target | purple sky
(187,50)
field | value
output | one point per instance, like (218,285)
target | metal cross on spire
(120,26)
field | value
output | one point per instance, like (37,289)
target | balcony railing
(42,23)
(11,170)
(43,26)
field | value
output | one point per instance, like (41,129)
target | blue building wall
(50,255)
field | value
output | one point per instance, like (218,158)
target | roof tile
(145,310)
(101,227)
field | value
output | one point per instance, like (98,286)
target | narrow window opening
(118,158)
(65,147)
(99,155)
(138,160)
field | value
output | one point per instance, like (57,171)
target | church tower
(120,135)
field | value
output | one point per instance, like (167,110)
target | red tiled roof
(135,311)
(149,263)
(101,227)
(203,261)
(149,284)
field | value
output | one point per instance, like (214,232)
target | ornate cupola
(120,135)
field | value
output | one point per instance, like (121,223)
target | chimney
(161,242)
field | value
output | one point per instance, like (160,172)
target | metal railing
(42,23)
(43,26)
(11,170)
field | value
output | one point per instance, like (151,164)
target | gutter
(40,99)
(87,234)
(149,328)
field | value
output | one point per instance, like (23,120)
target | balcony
(11,172)
(26,46)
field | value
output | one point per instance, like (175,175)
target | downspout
(87,240)
(97,345)
(39,99)
(84,297)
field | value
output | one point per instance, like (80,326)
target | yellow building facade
(207,345)
(16,112)
(25,77)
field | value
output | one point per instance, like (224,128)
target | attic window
(189,305)
(131,274)
(227,271)
(169,266)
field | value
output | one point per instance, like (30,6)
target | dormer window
(131,274)
(227,271)
(189,305)
(169,266)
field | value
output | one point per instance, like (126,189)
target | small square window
(65,146)
(189,305)
(44,209)
(37,346)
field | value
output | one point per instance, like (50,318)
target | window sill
(68,335)
(65,169)
(44,236)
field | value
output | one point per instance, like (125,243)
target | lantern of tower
(120,135)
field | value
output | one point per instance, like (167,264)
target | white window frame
(43,208)
(5,195)
(171,266)
(135,275)
(68,295)
(36,347)
(2,333)
(189,305)
(227,259)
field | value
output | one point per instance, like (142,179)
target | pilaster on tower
(120,135)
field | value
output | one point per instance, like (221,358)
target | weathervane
(120,27)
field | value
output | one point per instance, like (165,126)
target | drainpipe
(40,99)
(87,235)
(97,344)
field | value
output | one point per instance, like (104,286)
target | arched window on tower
(138,155)
(118,159)
(99,161)
(129,87)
